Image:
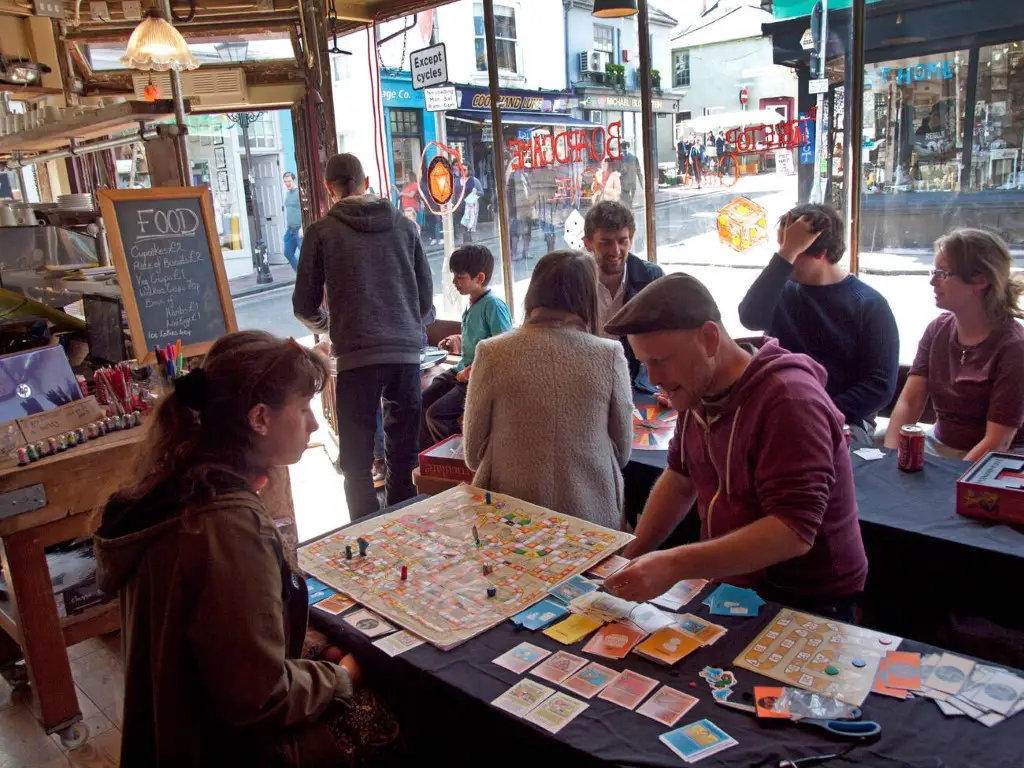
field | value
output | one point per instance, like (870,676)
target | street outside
(688,242)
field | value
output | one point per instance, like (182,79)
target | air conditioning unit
(203,87)
(588,63)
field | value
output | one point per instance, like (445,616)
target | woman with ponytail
(213,607)
(970,361)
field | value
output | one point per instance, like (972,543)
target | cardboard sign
(429,67)
(73,415)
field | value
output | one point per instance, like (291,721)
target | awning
(521,118)
(706,123)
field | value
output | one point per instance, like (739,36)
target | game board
(796,649)
(527,549)
(653,427)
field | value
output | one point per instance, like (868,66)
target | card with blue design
(572,588)
(697,740)
(317,591)
(728,600)
(540,615)
(521,658)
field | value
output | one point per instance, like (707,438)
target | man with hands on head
(807,301)
(759,445)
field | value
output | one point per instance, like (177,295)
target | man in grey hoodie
(366,258)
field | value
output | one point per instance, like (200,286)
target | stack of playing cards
(540,615)
(667,646)
(602,606)
(698,740)
(540,705)
(608,566)
(647,618)
(958,686)
(572,588)
(680,594)
(728,600)
(702,630)
(614,641)
(573,629)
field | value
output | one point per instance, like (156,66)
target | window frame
(481,62)
(676,79)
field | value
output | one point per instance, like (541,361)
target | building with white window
(722,53)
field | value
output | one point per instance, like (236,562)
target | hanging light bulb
(614,9)
(156,44)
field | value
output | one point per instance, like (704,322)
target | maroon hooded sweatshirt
(774,446)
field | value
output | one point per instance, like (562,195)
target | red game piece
(405,572)
(693,685)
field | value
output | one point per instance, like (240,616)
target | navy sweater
(847,327)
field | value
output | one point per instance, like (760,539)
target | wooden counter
(44,503)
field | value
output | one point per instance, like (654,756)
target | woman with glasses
(549,411)
(213,606)
(970,361)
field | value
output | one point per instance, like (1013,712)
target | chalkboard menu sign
(169,265)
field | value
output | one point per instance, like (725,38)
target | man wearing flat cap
(760,447)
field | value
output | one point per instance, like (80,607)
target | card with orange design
(667,646)
(614,641)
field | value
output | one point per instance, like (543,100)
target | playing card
(613,641)
(902,670)
(729,600)
(608,566)
(316,591)
(368,623)
(573,629)
(766,701)
(698,740)
(680,594)
(948,709)
(705,632)
(559,667)
(994,689)
(572,588)
(668,645)
(628,689)
(521,658)
(540,615)
(950,674)
(400,642)
(522,697)
(649,619)
(555,712)
(667,706)
(602,606)
(335,604)
(590,680)
(879,685)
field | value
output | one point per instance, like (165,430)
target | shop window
(680,69)
(998,118)
(914,133)
(406,143)
(505,38)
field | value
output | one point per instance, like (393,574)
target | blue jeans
(292,244)
(378,438)
(360,393)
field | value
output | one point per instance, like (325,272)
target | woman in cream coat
(549,410)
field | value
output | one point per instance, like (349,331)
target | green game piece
(830,670)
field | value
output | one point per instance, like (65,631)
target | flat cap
(677,302)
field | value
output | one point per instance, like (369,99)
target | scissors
(852,730)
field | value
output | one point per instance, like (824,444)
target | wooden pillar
(162,160)
(320,96)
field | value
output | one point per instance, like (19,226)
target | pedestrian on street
(292,220)
(697,158)
(369,260)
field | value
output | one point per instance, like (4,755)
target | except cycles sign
(429,67)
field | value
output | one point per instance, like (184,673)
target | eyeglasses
(942,274)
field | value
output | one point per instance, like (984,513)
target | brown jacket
(213,618)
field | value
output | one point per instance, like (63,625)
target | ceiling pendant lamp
(156,44)
(614,9)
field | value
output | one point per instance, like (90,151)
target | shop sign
(818,86)
(439,99)
(523,101)
(569,146)
(429,67)
(629,103)
(398,92)
(763,138)
(938,70)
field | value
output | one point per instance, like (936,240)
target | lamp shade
(155,44)
(614,9)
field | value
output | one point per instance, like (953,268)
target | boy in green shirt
(487,315)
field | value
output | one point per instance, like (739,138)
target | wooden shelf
(91,125)
(96,620)
(29,91)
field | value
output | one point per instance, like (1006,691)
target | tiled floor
(97,666)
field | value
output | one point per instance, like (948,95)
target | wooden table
(41,504)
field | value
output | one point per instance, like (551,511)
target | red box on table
(446,460)
(993,489)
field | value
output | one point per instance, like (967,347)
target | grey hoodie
(369,258)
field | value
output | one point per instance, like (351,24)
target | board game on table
(455,546)
(822,655)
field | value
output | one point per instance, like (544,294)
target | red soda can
(910,452)
(83,385)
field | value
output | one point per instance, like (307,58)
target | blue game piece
(858,663)
(492,591)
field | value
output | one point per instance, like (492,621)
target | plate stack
(77,203)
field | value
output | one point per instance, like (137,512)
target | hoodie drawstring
(728,454)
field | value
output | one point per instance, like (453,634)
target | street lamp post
(260,255)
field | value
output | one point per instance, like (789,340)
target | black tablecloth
(443,697)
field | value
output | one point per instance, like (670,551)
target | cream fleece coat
(549,420)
